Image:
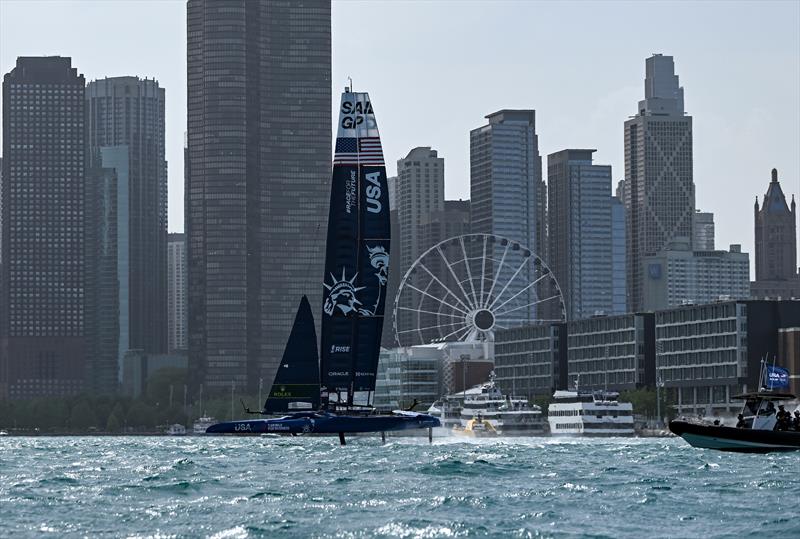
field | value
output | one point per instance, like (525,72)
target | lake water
(312,487)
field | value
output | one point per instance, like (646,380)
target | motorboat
(758,429)
(176,429)
(477,427)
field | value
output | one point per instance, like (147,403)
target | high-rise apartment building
(125,127)
(419,198)
(420,191)
(703,231)
(259,146)
(42,335)
(508,195)
(580,231)
(659,185)
(102,277)
(619,292)
(177,292)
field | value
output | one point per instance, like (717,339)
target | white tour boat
(508,415)
(589,413)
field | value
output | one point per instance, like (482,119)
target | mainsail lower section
(357,257)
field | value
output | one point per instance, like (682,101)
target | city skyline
(757,79)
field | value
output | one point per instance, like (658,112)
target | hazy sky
(435,69)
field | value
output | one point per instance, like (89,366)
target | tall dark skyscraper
(42,334)
(126,133)
(259,146)
(659,192)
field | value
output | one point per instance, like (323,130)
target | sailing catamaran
(337,398)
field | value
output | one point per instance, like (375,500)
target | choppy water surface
(311,487)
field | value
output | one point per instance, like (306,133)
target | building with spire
(659,185)
(776,245)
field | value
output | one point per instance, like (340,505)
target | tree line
(160,405)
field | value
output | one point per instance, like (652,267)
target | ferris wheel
(467,287)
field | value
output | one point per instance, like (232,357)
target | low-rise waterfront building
(708,353)
(611,352)
(528,362)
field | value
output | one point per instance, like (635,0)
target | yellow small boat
(477,427)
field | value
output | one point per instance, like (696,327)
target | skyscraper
(619,292)
(507,194)
(102,278)
(703,231)
(176,292)
(420,191)
(659,186)
(580,231)
(42,336)
(126,132)
(259,146)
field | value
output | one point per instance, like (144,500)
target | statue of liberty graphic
(343,293)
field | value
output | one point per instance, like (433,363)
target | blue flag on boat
(777,377)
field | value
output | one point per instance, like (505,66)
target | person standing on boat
(783,418)
(741,424)
(796,420)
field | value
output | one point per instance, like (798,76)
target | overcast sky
(435,69)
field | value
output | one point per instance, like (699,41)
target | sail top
(356,118)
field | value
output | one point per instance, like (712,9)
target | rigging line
(435,278)
(483,268)
(427,328)
(497,275)
(511,280)
(521,291)
(528,305)
(469,272)
(455,278)
(412,287)
(430,312)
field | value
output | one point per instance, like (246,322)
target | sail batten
(357,256)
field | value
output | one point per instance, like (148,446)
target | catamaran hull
(733,439)
(326,424)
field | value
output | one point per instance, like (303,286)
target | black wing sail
(357,257)
(296,383)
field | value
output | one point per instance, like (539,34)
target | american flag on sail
(362,151)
